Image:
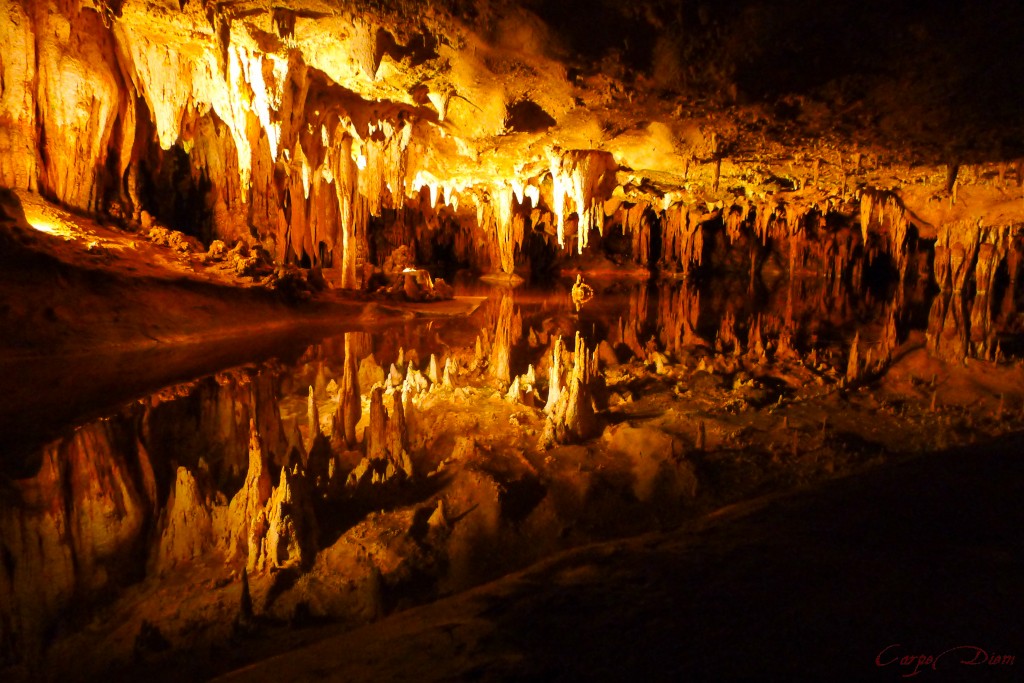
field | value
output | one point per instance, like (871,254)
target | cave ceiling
(481,107)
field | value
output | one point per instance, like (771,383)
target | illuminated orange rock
(284,533)
(349,403)
(251,498)
(186,525)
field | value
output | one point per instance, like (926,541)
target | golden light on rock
(315,312)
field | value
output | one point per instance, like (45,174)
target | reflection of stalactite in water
(508,330)
(375,436)
(962,249)
(678,313)
(250,499)
(1008,307)
(570,405)
(387,441)
(756,346)
(947,332)
(726,341)
(349,405)
(629,328)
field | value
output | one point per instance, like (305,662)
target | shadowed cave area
(511,340)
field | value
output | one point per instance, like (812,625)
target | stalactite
(635,219)
(581,182)
(885,211)
(682,235)
(508,224)
(734,219)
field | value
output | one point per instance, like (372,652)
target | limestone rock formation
(370,373)
(187,526)
(284,533)
(387,458)
(570,406)
(349,403)
(250,500)
(508,330)
(76,526)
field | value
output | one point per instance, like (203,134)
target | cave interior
(510,339)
